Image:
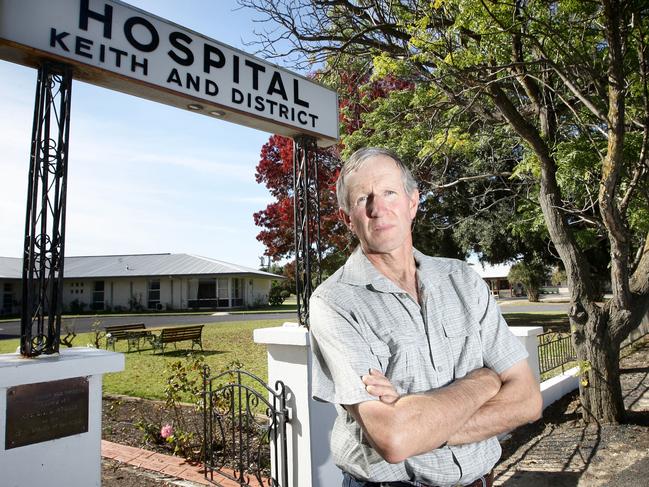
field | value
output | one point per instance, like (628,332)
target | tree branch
(613,162)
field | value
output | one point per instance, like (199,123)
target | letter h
(107,18)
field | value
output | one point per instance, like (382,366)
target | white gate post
(310,422)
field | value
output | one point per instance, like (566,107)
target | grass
(145,374)
(550,320)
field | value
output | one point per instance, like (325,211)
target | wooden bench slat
(179,334)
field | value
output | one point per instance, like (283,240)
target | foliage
(135,302)
(277,294)
(77,306)
(558,277)
(184,378)
(98,333)
(275,170)
(545,105)
(70,335)
(532,275)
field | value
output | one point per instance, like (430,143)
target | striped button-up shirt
(360,320)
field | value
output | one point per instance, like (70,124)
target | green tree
(532,275)
(565,82)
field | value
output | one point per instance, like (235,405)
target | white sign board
(112,44)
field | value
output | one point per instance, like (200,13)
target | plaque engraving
(45,411)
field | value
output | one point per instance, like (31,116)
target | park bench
(178,334)
(131,332)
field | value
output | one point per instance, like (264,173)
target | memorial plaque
(46,411)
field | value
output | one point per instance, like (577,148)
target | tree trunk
(533,294)
(599,361)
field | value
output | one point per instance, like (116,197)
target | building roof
(137,266)
(11,268)
(486,271)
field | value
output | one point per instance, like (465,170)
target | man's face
(380,211)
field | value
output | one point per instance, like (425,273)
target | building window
(7,298)
(223,295)
(97,295)
(153,301)
(237,292)
(78,288)
(205,294)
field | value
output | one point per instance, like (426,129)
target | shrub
(275,297)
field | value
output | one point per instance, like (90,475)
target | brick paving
(176,467)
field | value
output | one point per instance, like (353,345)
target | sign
(112,44)
(46,411)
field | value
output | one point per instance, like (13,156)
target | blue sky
(143,177)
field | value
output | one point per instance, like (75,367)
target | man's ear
(414,204)
(345,218)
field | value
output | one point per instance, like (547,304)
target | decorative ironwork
(306,214)
(43,255)
(555,350)
(240,440)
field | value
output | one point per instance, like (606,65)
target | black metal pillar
(43,255)
(306,202)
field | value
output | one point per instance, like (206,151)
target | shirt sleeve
(501,349)
(341,354)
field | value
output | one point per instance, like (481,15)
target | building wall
(123,293)
(175,293)
(259,291)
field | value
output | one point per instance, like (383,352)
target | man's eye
(361,200)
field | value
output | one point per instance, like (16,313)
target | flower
(166,431)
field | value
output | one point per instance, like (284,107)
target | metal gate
(245,429)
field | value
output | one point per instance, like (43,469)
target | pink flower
(167,431)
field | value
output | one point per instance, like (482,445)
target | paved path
(168,467)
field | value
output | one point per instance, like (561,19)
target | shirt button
(441,369)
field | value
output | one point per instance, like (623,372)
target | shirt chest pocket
(464,343)
(408,368)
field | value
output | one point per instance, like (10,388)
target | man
(411,349)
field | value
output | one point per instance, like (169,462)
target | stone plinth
(75,460)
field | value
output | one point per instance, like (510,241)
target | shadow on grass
(549,322)
(182,352)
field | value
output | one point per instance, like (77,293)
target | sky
(143,177)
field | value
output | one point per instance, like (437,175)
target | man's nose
(375,206)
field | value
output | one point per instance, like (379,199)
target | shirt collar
(359,271)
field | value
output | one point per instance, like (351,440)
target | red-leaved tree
(275,170)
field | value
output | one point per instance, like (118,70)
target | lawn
(145,374)
(550,320)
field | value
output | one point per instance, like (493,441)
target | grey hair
(358,160)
